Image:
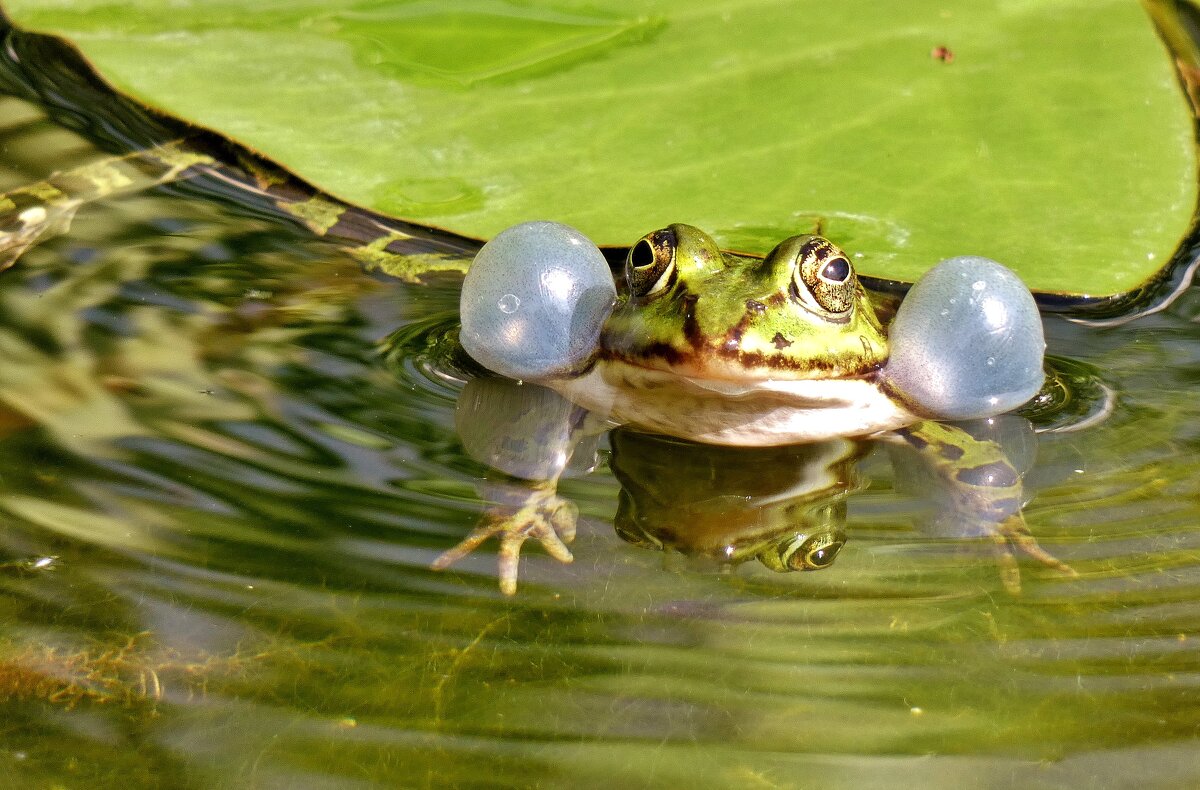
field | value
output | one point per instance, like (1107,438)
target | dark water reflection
(235,501)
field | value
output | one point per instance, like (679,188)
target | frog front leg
(529,437)
(980,490)
(522,510)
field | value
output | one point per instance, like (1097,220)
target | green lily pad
(1050,135)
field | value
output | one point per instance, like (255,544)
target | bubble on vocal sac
(509,303)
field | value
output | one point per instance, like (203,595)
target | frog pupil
(642,254)
(837,270)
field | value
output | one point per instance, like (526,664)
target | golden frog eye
(824,278)
(822,556)
(818,551)
(803,552)
(650,267)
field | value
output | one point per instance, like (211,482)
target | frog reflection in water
(721,349)
(784,506)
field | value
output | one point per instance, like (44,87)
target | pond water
(229,458)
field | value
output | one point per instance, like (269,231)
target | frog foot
(542,514)
(1013,533)
(20,230)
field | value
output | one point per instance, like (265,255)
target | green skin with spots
(718,315)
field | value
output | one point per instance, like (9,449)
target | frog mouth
(750,369)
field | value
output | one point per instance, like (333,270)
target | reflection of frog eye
(804,552)
(650,267)
(821,556)
(823,278)
(817,552)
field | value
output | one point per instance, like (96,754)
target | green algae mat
(1050,135)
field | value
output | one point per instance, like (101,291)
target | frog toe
(1012,534)
(544,516)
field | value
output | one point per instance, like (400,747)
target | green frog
(725,349)
(702,344)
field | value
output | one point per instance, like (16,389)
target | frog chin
(754,413)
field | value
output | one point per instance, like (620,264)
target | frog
(702,344)
(727,349)
(720,348)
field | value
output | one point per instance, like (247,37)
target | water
(224,477)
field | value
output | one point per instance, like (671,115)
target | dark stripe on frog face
(690,357)
(747,359)
(757,359)
(663,351)
(691,327)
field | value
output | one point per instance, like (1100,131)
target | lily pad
(1051,135)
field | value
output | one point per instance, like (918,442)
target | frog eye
(820,556)
(823,278)
(817,552)
(804,552)
(650,267)
(835,271)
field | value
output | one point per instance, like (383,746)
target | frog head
(691,309)
(689,325)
